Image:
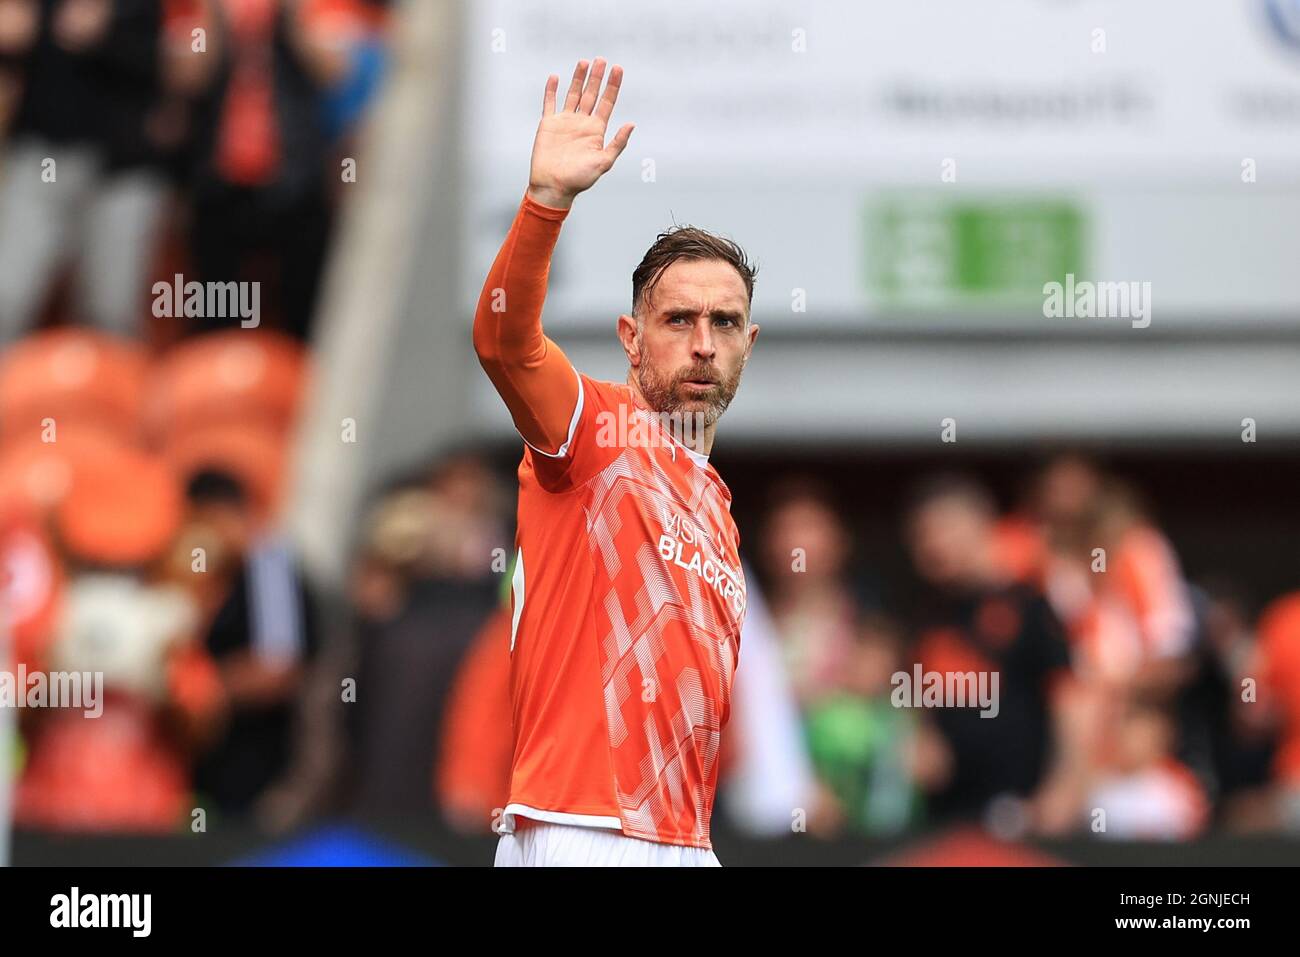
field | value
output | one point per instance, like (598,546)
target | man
(628,595)
(262,638)
(976,621)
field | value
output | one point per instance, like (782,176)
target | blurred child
(1144,793)
(865,751)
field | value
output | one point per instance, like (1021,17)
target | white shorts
(570,845)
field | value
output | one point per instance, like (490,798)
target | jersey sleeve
(601,425)
(530,372)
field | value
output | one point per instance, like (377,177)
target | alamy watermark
(626,427)
(208,300)
(1085,299)
(133,912)
(53,689)
(946,689)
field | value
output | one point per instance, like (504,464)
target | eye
(676,320)
(724,321)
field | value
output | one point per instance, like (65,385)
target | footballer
(627,594)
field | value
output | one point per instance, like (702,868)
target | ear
(626,329)
(753,334)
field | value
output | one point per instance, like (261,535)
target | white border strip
(573,425)
(555,817)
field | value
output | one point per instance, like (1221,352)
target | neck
(700,440)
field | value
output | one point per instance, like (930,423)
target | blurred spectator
(1278,670)
(1115,582)
(869,753)
(1143,792)
(261,638)
(472,773)
(81,175)
(128,767)
(19,23)
(260,189)
(1140,627)
(425,582)
(766,775)
(1226,735)
(805,549)
(975,620)
(1111,576)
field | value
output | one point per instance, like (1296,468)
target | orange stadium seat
(238,376)
(37,475)
(123,507)
(256,455)
(75,377)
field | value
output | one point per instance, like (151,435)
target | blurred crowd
(149,138)
(145,438)
(1131,703)
(143,461)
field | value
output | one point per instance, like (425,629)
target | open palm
(569,153)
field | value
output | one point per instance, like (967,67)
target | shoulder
(595,437)
(599,393)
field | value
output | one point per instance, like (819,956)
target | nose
(702,346)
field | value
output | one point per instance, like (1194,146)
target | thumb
(619,142)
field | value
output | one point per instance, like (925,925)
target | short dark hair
(692,244)
(213,486)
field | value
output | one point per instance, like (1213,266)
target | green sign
(923,251)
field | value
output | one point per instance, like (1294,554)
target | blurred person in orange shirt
(1139,628)
(127,768)
(1110,574)
(1277,667)
(472,770)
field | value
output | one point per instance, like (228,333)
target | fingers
(584,88)
(548,98)
(575,86)
(619,142)
(592,89)
(606,105)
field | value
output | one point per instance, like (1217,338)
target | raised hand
(569,153)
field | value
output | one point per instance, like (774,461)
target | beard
(667,393)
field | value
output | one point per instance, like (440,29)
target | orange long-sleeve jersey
(628,595)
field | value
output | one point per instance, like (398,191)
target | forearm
(508,321)
(529,371)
